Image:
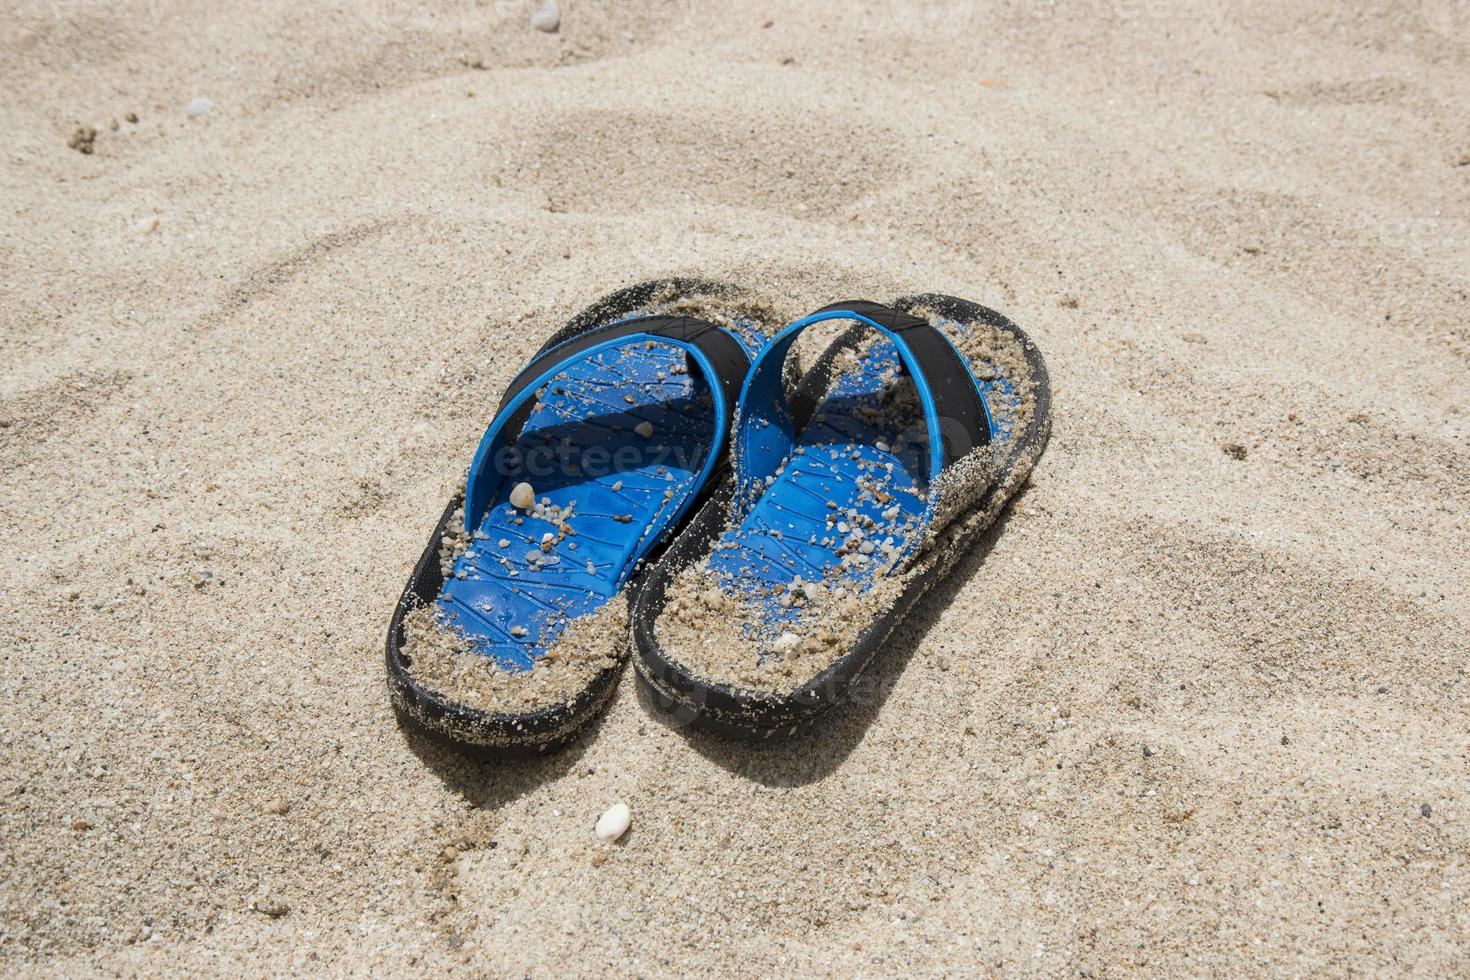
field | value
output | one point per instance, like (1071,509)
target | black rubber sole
(745,714)
(500,735)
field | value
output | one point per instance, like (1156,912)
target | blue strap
(955,414)
(487,470)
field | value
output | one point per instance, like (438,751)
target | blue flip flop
(601,446)
(848,500)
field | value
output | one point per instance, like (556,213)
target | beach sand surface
(1199,704)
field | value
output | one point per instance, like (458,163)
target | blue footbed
(858,473)
(599,487)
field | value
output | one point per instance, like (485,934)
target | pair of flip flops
(665,482)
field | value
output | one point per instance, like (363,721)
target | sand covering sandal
(848,501)
(513,626)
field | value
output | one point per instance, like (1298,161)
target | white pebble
(197,107)
(866,547)
(881,446)
(614,823)
(644,429)
(548,538)
(522,496)
(517,631)
(504,542)
(547,17)
(591,568)
(786,642)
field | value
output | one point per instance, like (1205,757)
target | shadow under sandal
(849,500)
(513,627)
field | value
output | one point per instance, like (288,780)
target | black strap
(965,425)
(730,361)
(723,350)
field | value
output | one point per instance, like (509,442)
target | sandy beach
(1200,704)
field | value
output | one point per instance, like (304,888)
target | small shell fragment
(547,17)
(614,823)
(522,496)
(644,429)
